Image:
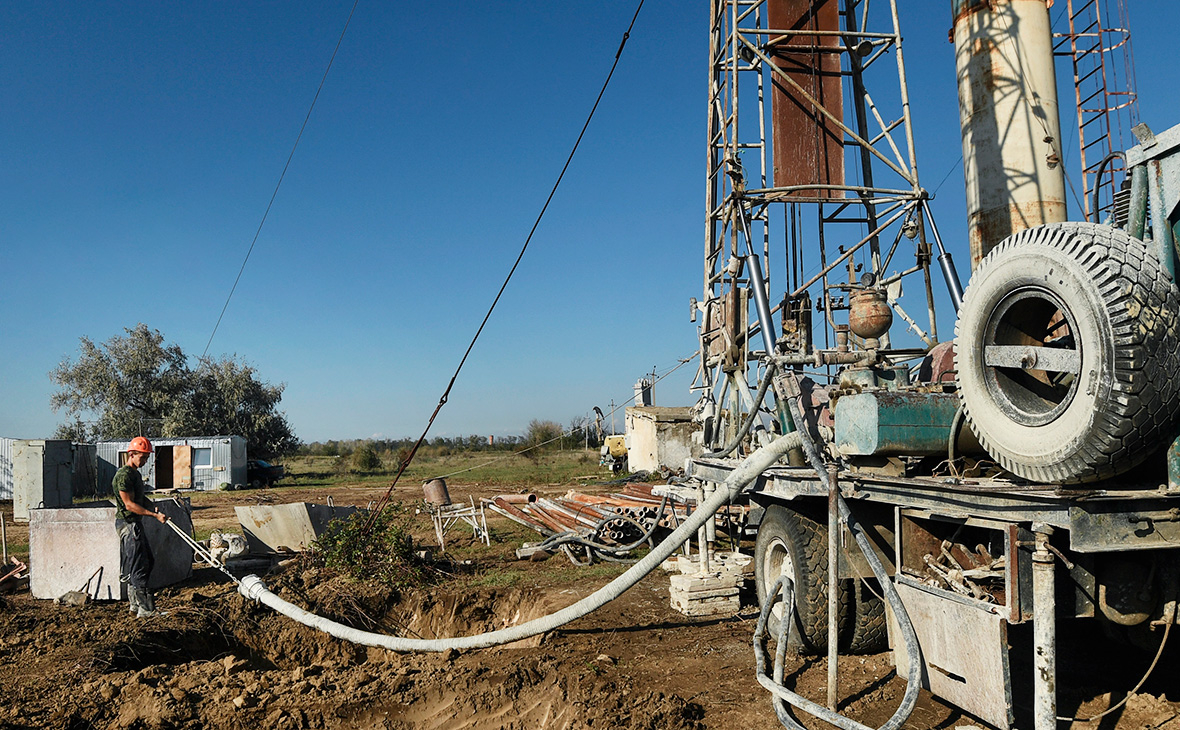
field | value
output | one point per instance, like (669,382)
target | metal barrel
(436,492)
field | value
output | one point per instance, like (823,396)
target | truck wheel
(793,544)
(1067,353)
(256,484)
(868,633)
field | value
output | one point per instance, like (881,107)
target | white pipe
(253,588)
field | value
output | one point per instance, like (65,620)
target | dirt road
(219,662)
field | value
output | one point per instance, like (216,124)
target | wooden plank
(182,466)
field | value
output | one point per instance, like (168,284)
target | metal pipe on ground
(513,513)
(517,498)
(253,588)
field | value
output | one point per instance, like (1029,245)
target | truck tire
(1092,307)
(792,543)
(868,633)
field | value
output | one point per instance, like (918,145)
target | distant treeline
(539,435)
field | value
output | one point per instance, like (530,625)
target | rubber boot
(132,600)
(147,605)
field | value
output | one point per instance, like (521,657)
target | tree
(542,432)
(136,385)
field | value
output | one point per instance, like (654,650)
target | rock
(233,665)
(450,655)
(178,694)
(108,692)
(606,659)
(72,598)
(273,718)
(239,702)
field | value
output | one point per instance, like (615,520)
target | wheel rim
(776,561)
(1031,356)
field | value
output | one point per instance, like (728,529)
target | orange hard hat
(139,443)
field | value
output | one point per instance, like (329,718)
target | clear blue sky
(141,142)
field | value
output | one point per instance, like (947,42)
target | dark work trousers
(135,555)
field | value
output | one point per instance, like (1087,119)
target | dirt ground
(218,661)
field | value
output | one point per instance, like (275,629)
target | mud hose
(909,637)
(749,422)
(253,588)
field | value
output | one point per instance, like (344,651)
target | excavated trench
(229,662)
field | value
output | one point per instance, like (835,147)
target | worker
(135,555)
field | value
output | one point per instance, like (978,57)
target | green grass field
(478,467)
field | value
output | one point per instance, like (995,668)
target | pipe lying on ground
(253,588)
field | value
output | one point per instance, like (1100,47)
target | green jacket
(128,479)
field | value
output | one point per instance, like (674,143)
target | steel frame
(741,193)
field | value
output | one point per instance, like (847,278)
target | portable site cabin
(44,473)
(199,462)
(6,468)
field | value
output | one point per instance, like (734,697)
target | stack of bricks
(706,594)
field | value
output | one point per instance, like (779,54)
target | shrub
(384,553)
(365,458)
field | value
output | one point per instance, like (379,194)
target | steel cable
(451,384)
(282,175)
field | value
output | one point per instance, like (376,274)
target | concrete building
(199,462)
(658,437)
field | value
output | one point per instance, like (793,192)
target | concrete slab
(69,545)
(293,526)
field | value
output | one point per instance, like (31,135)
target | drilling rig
(953,497)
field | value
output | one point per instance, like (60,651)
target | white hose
(252,586)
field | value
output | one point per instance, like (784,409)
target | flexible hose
(749,422)
(253,588)
(909,637)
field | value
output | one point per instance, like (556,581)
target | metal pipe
(949,274)
(1137,215)
(711,523)
(511,512)
(1161,228)
(702,538)
(761,301)
(833,584)
(4,537)
(1044,632)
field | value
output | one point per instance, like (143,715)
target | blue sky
(142,142)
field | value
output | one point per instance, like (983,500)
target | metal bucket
(436,492)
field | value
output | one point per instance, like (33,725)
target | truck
(953,498)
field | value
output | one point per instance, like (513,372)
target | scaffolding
(820,180)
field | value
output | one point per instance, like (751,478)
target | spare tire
(1067,353)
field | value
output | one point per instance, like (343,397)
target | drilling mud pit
(220,661)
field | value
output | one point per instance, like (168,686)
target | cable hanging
(451,384)
(279,184)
